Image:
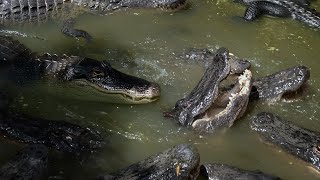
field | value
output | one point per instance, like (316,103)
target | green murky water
(146,44)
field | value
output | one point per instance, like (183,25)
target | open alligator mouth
(219,115)
(299,142)
(207,107)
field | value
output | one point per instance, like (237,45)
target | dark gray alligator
(226,172)
(208,106)
(179,162)
(237,65)
(280,84)
(282,8)
(35,10)
(29,163)
(84,74)
(59,135)
(272,87)
(299,142)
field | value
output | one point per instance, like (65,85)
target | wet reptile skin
(29,163)
(26,10)
(297,141)
(179,162)
(282,8)
(59,135)
(79,71)
(216,171)
(209,107)
(280,83)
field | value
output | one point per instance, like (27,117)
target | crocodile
(279,85)
(179,162)
(37,10)
(297,141)
(282,8)
(208,106)
(85,74)
(218,171)
(29,163)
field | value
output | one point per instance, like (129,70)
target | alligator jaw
(215,117)
(124,96)
(280,84)
(206,91)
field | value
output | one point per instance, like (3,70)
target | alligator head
(299,142)
(97,79)
(179,162)
(237,65)
(280,84)
(202,109)
(100,79)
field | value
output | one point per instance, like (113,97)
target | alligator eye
(97,73)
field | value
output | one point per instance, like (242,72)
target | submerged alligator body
(208,106)
(37,10)
(299,142)
(179,162)
(59,135)
(226,172)
(272,87)
(29,163)
(282,8)
(84,74)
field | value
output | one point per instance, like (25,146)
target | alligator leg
(258,8)
(69,30)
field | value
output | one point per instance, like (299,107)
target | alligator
(297,141)
(218,171)
(179,162)
(208,106)
(37,10)
(237,65)
(273,87)
(282,84)
(85,74)
(60,135)
(29,163)
(282,8)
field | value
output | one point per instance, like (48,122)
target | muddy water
(147,44)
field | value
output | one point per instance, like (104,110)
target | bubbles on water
(19,34)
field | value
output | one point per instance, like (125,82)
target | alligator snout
(155,91)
